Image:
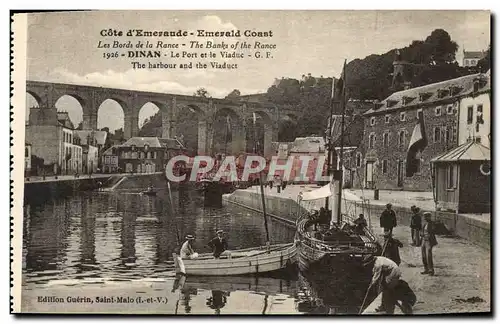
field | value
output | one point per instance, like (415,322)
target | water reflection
(129,235)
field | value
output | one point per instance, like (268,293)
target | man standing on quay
(428,235)
(415,225)
(388,219)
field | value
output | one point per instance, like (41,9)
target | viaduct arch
(170,105)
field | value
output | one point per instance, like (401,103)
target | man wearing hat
(219,245)
(415,225)
(388,219)
(428,235)
(391,248)
(187,251)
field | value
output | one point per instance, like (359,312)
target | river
(104,243)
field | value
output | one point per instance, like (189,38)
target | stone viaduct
(170,105)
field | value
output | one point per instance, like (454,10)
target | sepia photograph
(318,162)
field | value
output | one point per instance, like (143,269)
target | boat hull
(242,262)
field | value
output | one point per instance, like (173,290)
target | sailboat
(335,244)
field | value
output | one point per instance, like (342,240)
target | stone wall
(286,209)
(395,151)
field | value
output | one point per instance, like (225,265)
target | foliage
(201,92)
(484,64)
(233,94)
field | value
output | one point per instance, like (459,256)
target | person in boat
(219,245)
(187,251)
(388,218)
(391,248)
(386,276)
(360,224)
(415,225)
(428,235)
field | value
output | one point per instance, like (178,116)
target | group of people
(386,273)
(218,245)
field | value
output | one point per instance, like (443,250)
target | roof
(464,84)
(171,143)
(474,55)
(471,151)
(141,141)
(307,145)
(100,136)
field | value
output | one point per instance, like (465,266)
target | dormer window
(372,121)
(387,118)
(423,96)
(402,116)
(407,100)
(377,105)
(479,82)
(438,111)
(455,90)
(442,93)
(391,103)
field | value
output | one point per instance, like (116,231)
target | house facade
(474,117)
(52,140)
(381,159)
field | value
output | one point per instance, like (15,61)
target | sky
(62,47)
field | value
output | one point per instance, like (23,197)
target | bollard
(376,194)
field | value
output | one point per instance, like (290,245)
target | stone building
(141,155)
(52,139)
(474,121)
(381,159)
(471,58)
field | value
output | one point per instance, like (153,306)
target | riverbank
(64,186)
(463,268)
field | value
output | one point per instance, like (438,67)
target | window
(155,155)
(372,121)
(371,141)
(448,134)
(358,159)
(387,119)
(472,62)
(402,138)
(384,166)
(148,155)
(26,152)
(437,135)
(452,169)
(386,139)
(449,110)
(438,111)
(470,114)
(466,62)
(402,116)
(142,155)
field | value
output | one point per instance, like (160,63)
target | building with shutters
(381,159)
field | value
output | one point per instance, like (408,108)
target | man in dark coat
(219,245)
(391,250)
(388,219)
(428,235)
(415,225)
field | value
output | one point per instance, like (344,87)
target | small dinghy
(246,261)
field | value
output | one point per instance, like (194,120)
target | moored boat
(246,261)
(334,242)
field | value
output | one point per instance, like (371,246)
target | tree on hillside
(484,64)
(201,92)
(234,94)
(442,48)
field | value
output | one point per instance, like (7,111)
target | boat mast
(341,157)
(260,179)
(329,140)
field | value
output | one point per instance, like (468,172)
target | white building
(474,112)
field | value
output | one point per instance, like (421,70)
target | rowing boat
(246,261)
